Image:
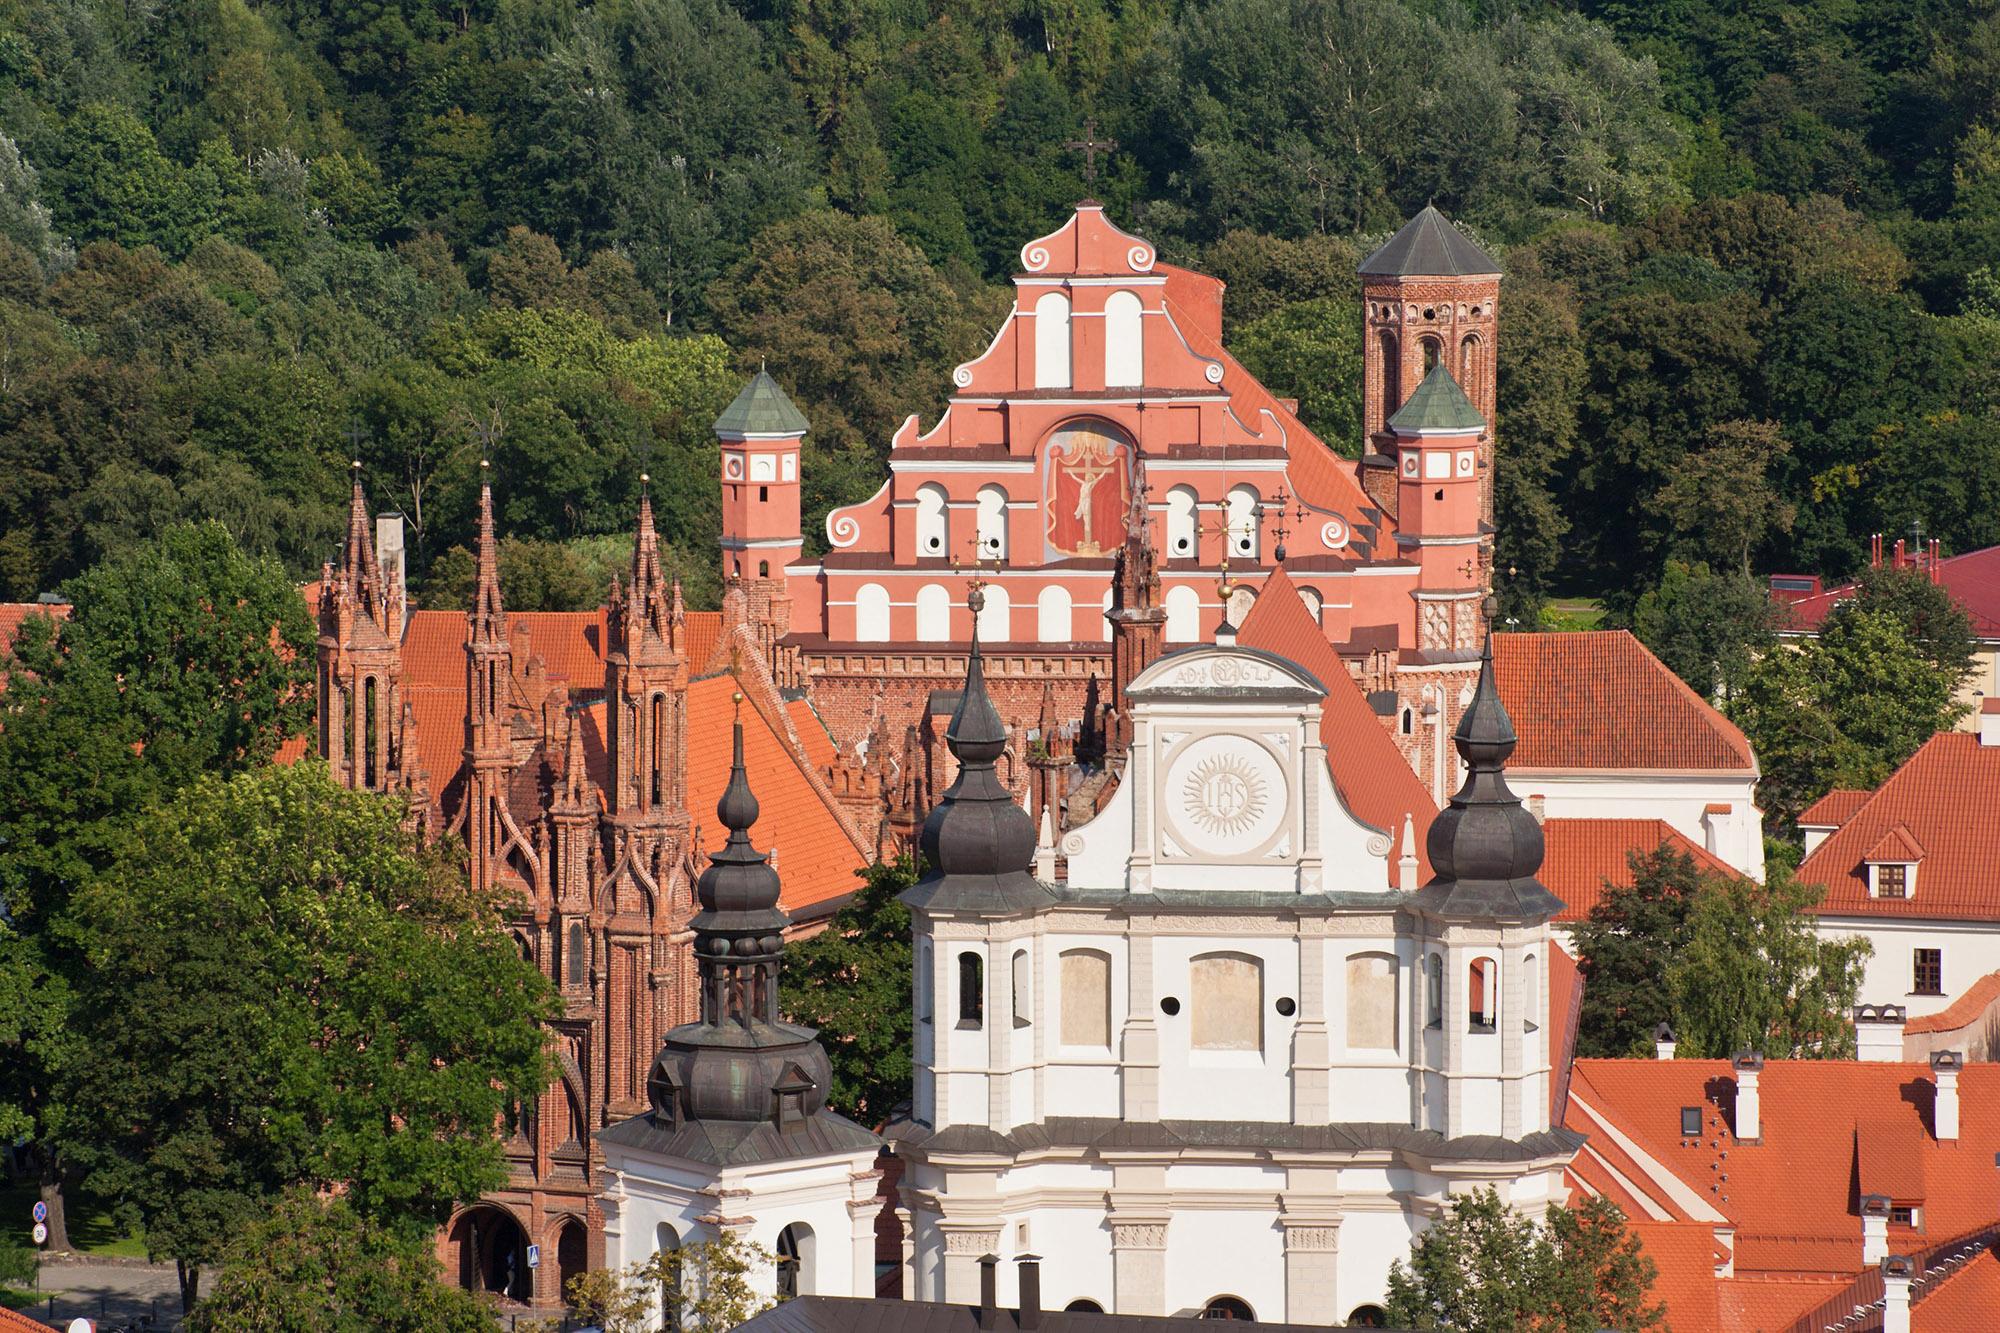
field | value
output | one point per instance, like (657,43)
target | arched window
(871,613)
(1052,341)
(1183,614)
(1431,348)
(1391,359)
(795,1261)
(992,523)
(1104,618)
(1482,995)
(1053,618)
(1227,992)
(1024,999)
(924,982)
(933,613)
(1314,602)
(1409,721)
(763,569)
(1368,1316)
(996,623)
(656,744)
(1371,1002)
(1181,520)
(1243,506)
(1469,367)
(668,1241)
(971,990)
(1434,989)
(572,1253)
(1228,1307)
(1083,1305)
(1086,997)
(1531,994)
(1124,341)
(933,521)
(577,964)
(368,733)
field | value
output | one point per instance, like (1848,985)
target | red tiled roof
(1972,579)
(1583,854)
(1792,1198)
(1565,1001)
(1766,1302)
(10,1319)
(1946,798)
(1895,845)
(1966,1299)
(812,732)
(1600,699)
(1373,779)
(1684,1252)
(1963,1011)
(1834,809)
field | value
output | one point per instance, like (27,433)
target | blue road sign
(41,1211)
(534,1256)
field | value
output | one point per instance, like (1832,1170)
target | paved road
(114,1295)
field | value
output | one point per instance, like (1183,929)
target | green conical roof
(761,409)
(1428,246)
(1438,404)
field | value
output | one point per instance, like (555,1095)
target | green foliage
(1755,974)
(17,1261)
(852,982)
(718,1280)
(317,1266)
(1708,626)
(1311,351)
(1483,1268)
(1620,947)
(1847,707)
(286,988)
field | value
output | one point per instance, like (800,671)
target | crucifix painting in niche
(1086,482)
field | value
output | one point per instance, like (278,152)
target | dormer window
(1892,880)
(1892,864)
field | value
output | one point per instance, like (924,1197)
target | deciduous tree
(852,982)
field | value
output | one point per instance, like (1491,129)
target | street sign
(534,1256)
(41,1232)
(41,1211)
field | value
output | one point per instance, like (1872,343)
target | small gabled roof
(1895,845)
(1835,808)
(1437,405)
(761,409)
(1428,246)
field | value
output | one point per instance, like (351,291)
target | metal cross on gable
(1090,146)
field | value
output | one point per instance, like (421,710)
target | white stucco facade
(1716,810)
(1967,950)
(1215,1063)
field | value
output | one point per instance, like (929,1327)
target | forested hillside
(1753,249)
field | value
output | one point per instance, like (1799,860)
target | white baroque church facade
(1239,1058)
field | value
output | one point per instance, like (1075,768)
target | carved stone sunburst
(1225,795)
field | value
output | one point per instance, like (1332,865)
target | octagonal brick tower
(1429,297)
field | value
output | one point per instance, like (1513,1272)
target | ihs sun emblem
(1224,795)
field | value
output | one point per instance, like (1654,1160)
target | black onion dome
(739,890)
(978,842)
(1485,848)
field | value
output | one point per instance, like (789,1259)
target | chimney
(1030,1316)
(1989,721)
(989,1292)
(389,553)
(1663,1042)
(1897,1270)
(1944,1111)
(1749,1123)
(1878,1031)
(1874,1228)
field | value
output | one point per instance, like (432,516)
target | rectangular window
(1892,881)
(1929,978)
(971,991)
(1086,998)
(1690,1122)
(1903,1217)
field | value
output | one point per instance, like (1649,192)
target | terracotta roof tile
(1684,1252)
(10,1319)
(1889,1159)
(1583,855)
(1946,798)
(1769,1303)
(1962,1012)
(1967,1299)
(812,732)
(1565,1003)
(1370,773)
(1835,808)
(1895,845)
(1601,700)
(1972,579)
(13,613)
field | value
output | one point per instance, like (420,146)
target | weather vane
(1090,146)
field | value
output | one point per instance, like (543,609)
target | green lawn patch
(93,1227)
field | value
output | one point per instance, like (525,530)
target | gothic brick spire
(1138,617)
(488,618)
(646,678)
(358,569)
(653,634)
(361,714)
(489,681)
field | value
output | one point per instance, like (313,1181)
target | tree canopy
(852,981)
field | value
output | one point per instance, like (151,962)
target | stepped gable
(1485,848)
(1601,700)
(1373,778)
(1428,245)
(1941,810)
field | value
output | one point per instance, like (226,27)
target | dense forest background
(1752,310)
